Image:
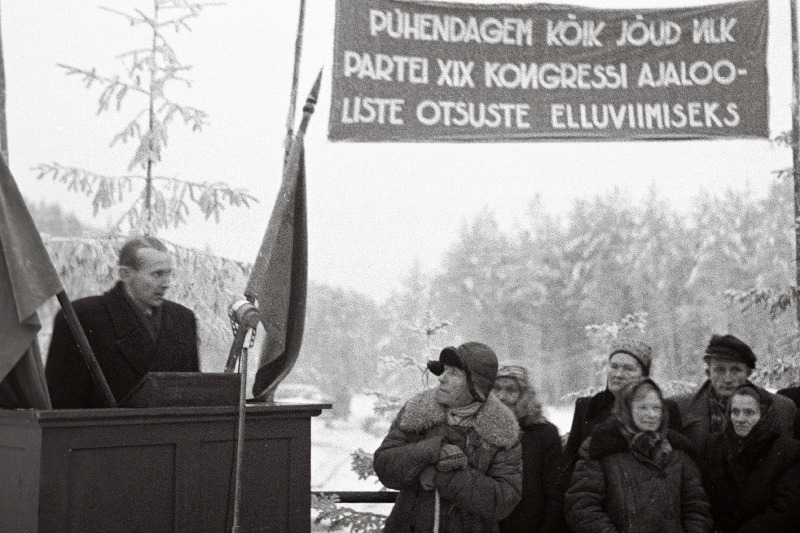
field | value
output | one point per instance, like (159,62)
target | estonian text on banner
(424,71)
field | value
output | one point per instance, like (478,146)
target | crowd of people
(477,454)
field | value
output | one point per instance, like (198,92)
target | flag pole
(796,149)
(3,124)
(256,286)
(86,350)
(298,50)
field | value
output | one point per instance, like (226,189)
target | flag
(27,280)
(280,274)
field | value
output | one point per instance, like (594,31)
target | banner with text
(429,71)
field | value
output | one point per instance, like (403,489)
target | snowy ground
(332,442)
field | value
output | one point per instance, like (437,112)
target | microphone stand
(244,317)
(240,436)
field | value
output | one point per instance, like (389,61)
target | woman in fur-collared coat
(635,475)
(453,452)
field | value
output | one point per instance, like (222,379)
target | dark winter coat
(613,490)
(543,482)
(793,393)
(122,346)
(473,499)
(590,411)
(696,414)
(757,489)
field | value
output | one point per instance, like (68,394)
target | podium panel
(156,470)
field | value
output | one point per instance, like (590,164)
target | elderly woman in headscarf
(542,507)
(751,471)
(634,474)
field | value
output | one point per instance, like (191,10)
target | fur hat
(477,360)
(636,349)
(731,348)
(516,372)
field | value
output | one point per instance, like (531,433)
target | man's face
(622,368)
(148,283)
(507,391)
(745,412)
(726,375)
(453,390)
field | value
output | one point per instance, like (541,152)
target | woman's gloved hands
(451,458)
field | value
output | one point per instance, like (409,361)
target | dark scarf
(717,409)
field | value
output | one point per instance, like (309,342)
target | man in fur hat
(453,452)
(543,478)
(729,363)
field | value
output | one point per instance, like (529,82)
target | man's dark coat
(793,393)
(124,349)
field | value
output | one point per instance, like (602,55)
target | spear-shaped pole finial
(311,101)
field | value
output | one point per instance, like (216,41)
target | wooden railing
(348,496)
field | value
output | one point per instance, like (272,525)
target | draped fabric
(280,273)
(27,280)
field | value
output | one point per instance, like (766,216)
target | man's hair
(129,253)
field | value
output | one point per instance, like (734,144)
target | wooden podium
(154,470)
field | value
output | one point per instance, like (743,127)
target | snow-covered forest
(530,293)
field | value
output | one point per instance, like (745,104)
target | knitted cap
(731,348)
(477,360)
(636,349)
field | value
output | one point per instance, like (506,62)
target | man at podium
(132,330)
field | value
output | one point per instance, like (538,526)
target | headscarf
(649,445)
(745,451)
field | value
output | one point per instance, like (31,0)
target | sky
(374,210)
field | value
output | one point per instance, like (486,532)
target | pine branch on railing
(342,517)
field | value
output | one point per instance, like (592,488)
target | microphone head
(244,313)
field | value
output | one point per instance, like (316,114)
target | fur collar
(607,439)
(494,422)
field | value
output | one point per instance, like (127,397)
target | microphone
(244,313)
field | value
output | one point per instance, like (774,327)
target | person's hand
(451,458)
(426,478)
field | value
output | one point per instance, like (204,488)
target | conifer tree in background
(151,201)
(775,300)
(164,201)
